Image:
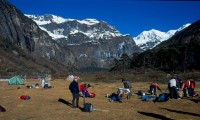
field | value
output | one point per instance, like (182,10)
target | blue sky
(128,16)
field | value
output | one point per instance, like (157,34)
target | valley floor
(53,104)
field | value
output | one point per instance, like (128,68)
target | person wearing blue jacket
(74,88)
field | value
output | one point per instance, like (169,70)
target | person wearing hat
(74,88)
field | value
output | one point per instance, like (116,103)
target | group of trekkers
(77,91)
(175,84)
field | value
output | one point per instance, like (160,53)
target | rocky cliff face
(21,32)
(93,42)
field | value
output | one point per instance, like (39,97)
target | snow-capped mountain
(92,28)
(89,39)
(97,41)
(149,39)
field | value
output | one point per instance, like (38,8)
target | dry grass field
(45,104)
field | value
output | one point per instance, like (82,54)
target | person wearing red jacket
(83,89)
(190,84)
(153,88)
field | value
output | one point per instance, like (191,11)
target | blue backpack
(163,97)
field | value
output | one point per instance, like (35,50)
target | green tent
(16,80)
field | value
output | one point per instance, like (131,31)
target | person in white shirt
(172,89)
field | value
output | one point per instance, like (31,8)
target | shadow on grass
(182,112)
(195,100)
(68,103)
(155,115)
(65,102)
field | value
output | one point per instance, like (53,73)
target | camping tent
(16,80)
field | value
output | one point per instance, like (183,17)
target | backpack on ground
(25,97)
(163,97)
(87,107)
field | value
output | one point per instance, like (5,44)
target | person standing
(190,86)
(172,89)
(183,88)
(74,88)
(116,97)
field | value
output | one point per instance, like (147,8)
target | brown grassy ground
(44,104)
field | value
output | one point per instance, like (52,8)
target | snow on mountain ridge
(96,30)
(89,21)
(184,26)
(156,35)
(48,18)
(93,33)
(150,35)
(54,36)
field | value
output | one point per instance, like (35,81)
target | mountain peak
(184,26)
(149,39)
(95,39)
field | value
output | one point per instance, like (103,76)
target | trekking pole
(83,99)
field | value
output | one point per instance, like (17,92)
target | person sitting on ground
(116,96)
(84,90)
(153,88)
(46,83)
(33,86)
